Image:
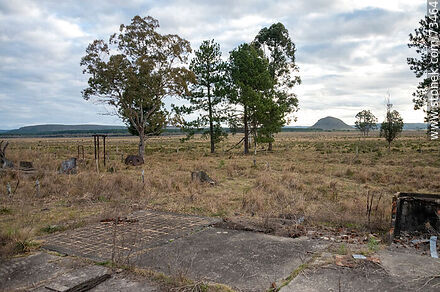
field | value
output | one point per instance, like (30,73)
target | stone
(68,166)
(201,177)
(134,160)
(26,165)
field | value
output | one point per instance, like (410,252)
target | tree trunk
(141,144)
(246,131)
(211,124)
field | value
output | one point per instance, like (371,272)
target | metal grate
(142,231)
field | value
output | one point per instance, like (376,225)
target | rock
(68,166)
(26,165)
(201,177)
(134,160)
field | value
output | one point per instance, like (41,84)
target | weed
(373,244)
(5,211)
(52,228)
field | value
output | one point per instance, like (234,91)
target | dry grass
(324,177)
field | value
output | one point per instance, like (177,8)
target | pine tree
(206,97)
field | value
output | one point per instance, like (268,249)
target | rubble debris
(201,177)
(4,162)
(433,247)
(119,220)
(134,160)
(68,166)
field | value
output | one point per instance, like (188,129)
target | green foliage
(52,228)
(373,244)
(252,82)
(420,40)
(365,121)
(280,49)
(155,124)
(392,125)
(5,211)
(207,98)
(135,70)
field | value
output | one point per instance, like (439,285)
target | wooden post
(97,139)
(94,144)
(103,138)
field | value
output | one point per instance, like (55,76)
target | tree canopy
(425,40)
(392,125)
(206,98)
(279,49)
(365,122)
(135,70)
(249,72)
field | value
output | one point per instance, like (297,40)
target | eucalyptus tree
(365,122)
(135,70)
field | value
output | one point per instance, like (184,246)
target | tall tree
(427,66)
(206,97)
(135,70)
(365,122)
(251,80)
(280,51)
(392,125)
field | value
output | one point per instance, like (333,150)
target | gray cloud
(350,53)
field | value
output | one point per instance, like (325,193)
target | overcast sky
(350,53)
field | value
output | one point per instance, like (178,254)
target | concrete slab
(140,232)
(397,271)
(244,260)
(41,270)
(366,277)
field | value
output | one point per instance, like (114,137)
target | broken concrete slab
(397,271)
(42,270)
(365,277)
(244,260)
(407,266)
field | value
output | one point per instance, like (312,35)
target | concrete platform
(41,271)
(397,271)
(188,245)
(246,261)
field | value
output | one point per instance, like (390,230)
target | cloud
(350,53)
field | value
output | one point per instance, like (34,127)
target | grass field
(324,177)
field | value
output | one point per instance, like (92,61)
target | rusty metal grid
(101,241)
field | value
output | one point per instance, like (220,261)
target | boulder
(201,177)
(26,165)
(68,166)
(134,160)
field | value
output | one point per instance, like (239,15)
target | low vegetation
(324,177)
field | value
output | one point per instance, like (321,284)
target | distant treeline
(166,132)
(124,132)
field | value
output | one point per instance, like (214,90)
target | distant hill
(413,126)
(56,128)
(331,123)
